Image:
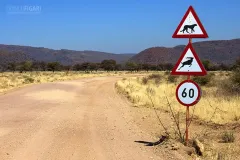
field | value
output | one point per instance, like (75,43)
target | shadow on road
(152,143)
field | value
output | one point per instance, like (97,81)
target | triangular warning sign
(189,63)
(190,26)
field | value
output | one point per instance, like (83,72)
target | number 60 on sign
(188,93)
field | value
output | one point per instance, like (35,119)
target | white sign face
(188,93)
(189,63)
(190,26)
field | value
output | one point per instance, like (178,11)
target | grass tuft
(228,137)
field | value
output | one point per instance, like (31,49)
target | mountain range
(15,53)
(217,51)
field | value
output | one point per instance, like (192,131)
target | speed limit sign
(188,93)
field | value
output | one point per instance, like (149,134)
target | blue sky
(118,26)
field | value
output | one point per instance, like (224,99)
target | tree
(28,66)
(67,67)
(146,67)
(167,66)
(153,67)
(223,67)
(43,66)
(85,66)
(119,67)
(160,67)
(132,66)
(25,66)
(93,66)
(109,65)
(237,63)
(12,66)
(77,67)
(35,66)
(3,68)
(53,66)
(207,64)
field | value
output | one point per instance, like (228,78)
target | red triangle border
(203,73)
(204,35)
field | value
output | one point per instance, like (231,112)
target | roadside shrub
(231,85)
(203,80)
(144,80)
(236,77)
(150,91)
(227,86)
(228,137)
(172,79)
(167,73)
(236,118)
(155,76)
(28,80)
(157,82)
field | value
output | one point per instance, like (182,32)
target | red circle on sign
(199,92)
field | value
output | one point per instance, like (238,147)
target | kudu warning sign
(189,63)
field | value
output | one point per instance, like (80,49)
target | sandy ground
(72,120)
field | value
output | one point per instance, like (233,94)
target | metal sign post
(187,111)
(188,92)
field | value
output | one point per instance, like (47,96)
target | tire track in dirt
(75,120)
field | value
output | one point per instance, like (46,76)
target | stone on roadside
(199,147)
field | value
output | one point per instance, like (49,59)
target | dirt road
(73,120)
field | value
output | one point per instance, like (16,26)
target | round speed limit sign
(188,93)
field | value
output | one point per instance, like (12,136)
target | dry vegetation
(215,119)
(215,116)
(216,98)
(9,80)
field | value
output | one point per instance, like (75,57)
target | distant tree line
(106,65)
(209,66)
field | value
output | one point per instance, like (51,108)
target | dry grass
(10,80)
(214,105)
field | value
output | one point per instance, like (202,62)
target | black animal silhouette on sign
(188,62)
(186,27)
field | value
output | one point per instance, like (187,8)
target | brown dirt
(87,119)
(81,119)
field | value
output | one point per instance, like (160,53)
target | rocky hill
(14,53)
(218,51)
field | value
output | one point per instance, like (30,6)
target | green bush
(203,80)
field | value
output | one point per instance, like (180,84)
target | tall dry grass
(216,104)
(9,80)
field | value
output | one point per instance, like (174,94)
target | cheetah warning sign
(189,63)
(190,26)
